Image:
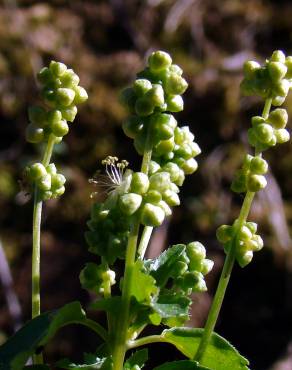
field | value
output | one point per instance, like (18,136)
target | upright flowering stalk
(145,198)
(48,125)
(272,82)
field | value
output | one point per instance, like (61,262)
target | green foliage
(219,355)
(181,365)
(36,333)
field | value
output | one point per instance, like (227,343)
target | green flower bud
(258,166)
(69,113)
(278,101)
(256,120)
(175,84)
(200,285)
(154,167)
(174,103)
(128,98)
(130,203)
(164,147)
(245,258)
(277,71)
(60,128)
(152,215)
(288,63)
(132,126)
(46,195)
(139,183)
(160,181)
(141,86)
(165,207)
(176,69)
(58,192)
(244,233)
(255,183)
(49,96)
(45,76)
(224,233)
(278,118)
(190,166)
(139,142)
(196,252)
(54,116)
(252,226)
(69,78)
(278,56)
(57,68)
(36,171)
(259,243)
(65,96)
(163,132)
(153,197)
(206,266)
(264,133)
(80,95)
(144,106)
(282,135)
(196,150)
(173,170)
(239,182)
(44,182)
(159,60)
(34,134)
(282,88)
(251,136)
(179,269)
(155,95)
(249,68)
(171,198)
(58,180)
(37,116)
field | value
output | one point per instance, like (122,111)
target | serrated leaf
(181,365)
(161,267)
(143,285)
(169,305)
(137,358)
(15,352)
(219,355)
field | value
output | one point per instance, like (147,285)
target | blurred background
(106,43)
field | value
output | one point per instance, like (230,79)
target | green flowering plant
(155,291)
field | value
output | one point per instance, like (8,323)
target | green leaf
(143,285)
(91,364)
(36,333)
(169,305)
(137,358)
(219,355)
(181,365)
(37,367)
(161,267)
(111,304)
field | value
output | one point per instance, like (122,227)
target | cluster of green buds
(266,133)
(272,80)
(189,271)
(61,93)
(108,232)
(158,129)
(97,278)
(49,183)
(251,176)
(247,241)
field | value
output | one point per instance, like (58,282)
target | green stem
(228,264)
(224,279)
(121,333)
(144,241)
(97,328)
(146,340)
(36,247)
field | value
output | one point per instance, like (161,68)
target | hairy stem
(145,340)
(36,245)
(228,264)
